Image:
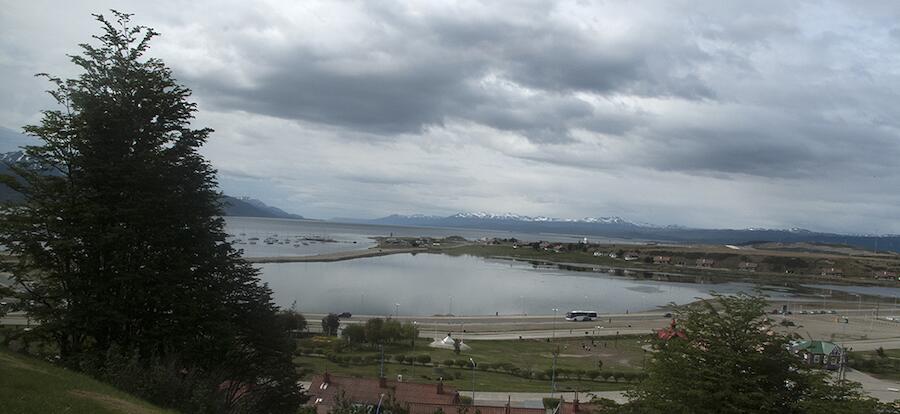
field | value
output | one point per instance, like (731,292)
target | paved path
(884,390)
(535,399)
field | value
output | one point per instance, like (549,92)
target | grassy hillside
(32,386)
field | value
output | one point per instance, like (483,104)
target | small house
(662,259)
(885,274)
(705,262)
(748,266)
(832,272)
(367,392)
(822,354)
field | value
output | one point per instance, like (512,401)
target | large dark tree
(119,243)
(731,361)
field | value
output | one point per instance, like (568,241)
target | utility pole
(554,323)
(473,380)
(381,375)
(415,336)
(553,373)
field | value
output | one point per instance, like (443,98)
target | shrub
(550,402)
(400,358)
(448,363)
(423,359)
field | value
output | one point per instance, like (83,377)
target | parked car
(345,315)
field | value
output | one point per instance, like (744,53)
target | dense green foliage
(732,361)
(380,331)
(330,324)
(881,363)
(119,246)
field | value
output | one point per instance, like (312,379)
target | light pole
(450,306)
(378,409)
(415,336)
(396,310)
(553,373)
(473,380)
(554,323)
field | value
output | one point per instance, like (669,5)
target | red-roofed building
(369,391)
(671,332)
(574,407)
(421,408)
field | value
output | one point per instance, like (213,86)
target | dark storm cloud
(518,74)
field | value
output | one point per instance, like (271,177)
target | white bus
(577,315)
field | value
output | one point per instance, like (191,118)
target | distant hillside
(617,227)
(234,206)
(249,207)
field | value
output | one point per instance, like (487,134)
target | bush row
(500,367)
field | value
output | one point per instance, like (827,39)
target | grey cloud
(437,67)
(633,95)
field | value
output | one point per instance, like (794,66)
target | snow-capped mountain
(618,227)
(543,219)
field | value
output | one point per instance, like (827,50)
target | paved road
(884,390)
(535,399)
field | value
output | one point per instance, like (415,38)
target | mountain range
(251,207)
(617,227)
(232,206)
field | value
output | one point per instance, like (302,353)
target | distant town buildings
(662,259)
(748,266)
(705,262)
(885,274)
(832,272)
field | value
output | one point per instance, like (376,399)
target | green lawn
(31,386)
(457,377)
(622,356)
(885,367)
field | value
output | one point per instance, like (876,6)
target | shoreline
(335,257)
(686,272)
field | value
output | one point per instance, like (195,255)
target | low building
(748,266)
(832,272)
(672,331)
(369,391)
(424,408)
(885,274)
(662,259)
(822,354)
(705,262)
(418,398)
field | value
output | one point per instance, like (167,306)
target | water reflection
(430,284)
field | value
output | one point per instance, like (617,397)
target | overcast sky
(709,114)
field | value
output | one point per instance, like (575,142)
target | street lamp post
(473,380)
(415,336)
(378,409)
(554,323)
